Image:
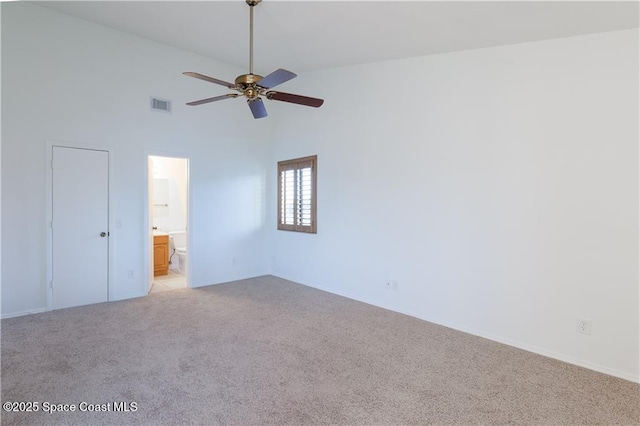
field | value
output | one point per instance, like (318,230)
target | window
(297,194)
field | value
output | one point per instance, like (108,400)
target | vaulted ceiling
(308,35)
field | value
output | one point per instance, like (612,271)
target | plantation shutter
(296,195)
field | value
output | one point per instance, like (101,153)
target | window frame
(298,164)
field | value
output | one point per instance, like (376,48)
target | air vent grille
(159,104)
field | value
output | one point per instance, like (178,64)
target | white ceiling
(309,35)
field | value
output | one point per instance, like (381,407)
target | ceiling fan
(253,86)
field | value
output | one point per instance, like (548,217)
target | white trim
(127,296)
(0,163)
(146,232)
(638,177)
(23,313)
(489,336)
(50,144)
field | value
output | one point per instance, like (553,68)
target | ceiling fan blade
(217,98)
(257,108)
(210,79)
(277,77)
(295,99)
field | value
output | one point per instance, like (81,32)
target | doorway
(79,237)
(168,181)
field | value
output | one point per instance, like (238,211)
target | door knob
(103,234)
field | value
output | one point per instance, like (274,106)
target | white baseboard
(41,310)
(540,351)
(520,345)
(23,313)
(128,296)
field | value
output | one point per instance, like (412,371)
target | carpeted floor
(269,351)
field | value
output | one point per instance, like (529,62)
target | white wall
(498,187)
(65,79)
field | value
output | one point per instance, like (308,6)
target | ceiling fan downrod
(252,4)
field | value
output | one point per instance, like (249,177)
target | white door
(80,207)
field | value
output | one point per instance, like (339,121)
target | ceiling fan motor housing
(247,79)
(247,83)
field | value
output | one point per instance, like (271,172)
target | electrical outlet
(391,285)
(583,326)
(130,273)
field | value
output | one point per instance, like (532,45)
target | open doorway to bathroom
(168,216)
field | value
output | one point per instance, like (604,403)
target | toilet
(178,242)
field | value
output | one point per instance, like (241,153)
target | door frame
(50,144)
(147,234)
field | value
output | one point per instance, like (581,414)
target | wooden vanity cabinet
(160,255)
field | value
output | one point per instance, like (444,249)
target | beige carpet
(269,351)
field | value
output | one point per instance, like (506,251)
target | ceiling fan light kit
(253,86)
